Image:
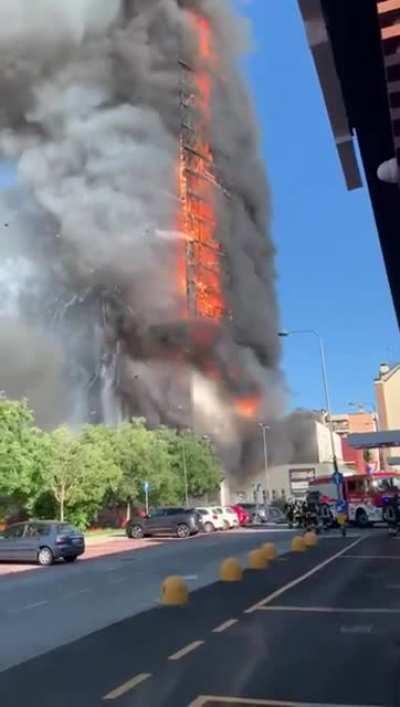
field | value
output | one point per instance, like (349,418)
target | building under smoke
(137,249)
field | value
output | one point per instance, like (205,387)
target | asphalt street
(48,607)
(320,628)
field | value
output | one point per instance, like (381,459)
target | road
(320,628)
(44,608)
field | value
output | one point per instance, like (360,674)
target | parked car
(260,513)
(230,517)
(210,520)
(41,541)
(242,515)
(181,522)
(275,515)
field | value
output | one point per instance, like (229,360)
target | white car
(230,517)
(210,519)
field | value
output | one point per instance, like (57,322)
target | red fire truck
(366,495)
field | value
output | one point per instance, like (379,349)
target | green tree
(80,471)
(193,462)
(23,453)
(143,456)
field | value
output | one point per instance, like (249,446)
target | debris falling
(137,240)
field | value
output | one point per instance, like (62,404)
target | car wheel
(208,527)
(137,532)
(362,518)
(70,558)
(45,557)
(183,530)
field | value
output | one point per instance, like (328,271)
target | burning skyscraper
(137,250)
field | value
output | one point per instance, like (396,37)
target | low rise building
(286,477)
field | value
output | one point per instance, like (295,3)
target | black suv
(165,521)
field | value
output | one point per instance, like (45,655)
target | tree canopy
(75,473)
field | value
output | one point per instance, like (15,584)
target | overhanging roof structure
(374,440)
(356,54)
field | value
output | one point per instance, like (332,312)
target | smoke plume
(90,113)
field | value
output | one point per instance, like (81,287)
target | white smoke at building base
(90,114)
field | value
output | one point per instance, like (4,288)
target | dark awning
(346,39)
(373,440)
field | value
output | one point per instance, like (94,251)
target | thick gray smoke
(90,112)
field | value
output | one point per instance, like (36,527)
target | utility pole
(264,429)
(325,386)
(185,473)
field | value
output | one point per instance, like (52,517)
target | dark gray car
(41,541)
(165,521)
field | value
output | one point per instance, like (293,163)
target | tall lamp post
(325,385)
(181,433)
(264,429)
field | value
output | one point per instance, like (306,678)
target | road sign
(337,478)
(341,506)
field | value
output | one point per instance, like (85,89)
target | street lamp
(181,432)
(264,429)
(325,384)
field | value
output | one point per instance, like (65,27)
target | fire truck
(367,495)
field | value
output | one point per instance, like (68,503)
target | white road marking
(127,686)
(356,629)
(190,577)
(35,605)
(204,700)
(297,581)
(330,609)
(184,651)
(371,557)
(225,626)
(118,580)
(72,595)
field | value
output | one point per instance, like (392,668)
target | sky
(331,276)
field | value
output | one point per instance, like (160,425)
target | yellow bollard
(230,570)
(298,544)
(270,551)
(174,592)
(311,539)
(257,560)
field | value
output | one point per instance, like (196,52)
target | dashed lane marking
(118,580)
(302,578)
(184,651)
(127,686)
(356,629)
(27,607)
(330,609)
(225,626)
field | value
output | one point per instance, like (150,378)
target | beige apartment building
(387,392)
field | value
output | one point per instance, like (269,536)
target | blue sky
(330,267)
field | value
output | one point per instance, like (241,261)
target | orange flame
(249,407)
(199,255)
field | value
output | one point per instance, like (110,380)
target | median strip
(127,686)
(184,651)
